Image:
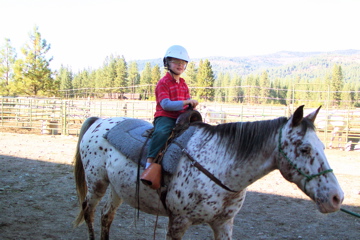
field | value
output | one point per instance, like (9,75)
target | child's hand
(191,102)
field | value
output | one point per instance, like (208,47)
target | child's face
(177,66)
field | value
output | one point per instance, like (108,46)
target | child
(172,99)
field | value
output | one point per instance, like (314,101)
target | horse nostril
(336,200)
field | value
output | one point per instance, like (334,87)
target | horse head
(302,160)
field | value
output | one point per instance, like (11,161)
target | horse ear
(297,116)
(313,115)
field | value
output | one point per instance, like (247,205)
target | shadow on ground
(38,201)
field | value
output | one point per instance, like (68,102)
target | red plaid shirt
(168,88)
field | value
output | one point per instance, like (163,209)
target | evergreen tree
(134,77)
(264,91)
(326,93)
(190,77)
(302,93)
(247,88)
(347,96)
(145,80)
(235,90)
(108,75)
(225,84)
(219,92)
(81,84)
(275,92)
(254,89)
(64,77)
(7,60)
(33,75)
(290,93)
(97,75)
(205,80)
(155,77)
(337,83)
(121,74)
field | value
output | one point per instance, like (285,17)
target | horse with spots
(235,154)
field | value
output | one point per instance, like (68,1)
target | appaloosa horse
(236,154)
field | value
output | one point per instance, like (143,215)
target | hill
(284,64)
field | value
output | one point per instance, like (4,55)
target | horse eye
(305,149)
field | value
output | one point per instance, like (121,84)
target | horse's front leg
(223,230)
(177,227)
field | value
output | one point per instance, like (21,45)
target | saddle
(131,136)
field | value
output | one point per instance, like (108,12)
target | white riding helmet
(177,51)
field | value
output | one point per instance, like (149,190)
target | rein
(206,172)
(308,177)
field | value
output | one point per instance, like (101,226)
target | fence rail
(336,128)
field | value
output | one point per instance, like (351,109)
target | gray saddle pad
(127,137)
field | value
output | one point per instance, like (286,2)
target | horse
(213,116)
(235,155)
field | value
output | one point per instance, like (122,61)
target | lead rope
(309,177)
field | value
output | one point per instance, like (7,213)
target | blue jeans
(162,130)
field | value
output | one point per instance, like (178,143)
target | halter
(308,177)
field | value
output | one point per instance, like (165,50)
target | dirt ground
(38,199)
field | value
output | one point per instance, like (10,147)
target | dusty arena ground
(38,199)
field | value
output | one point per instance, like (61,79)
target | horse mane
(247,138)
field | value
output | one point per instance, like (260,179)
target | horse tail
(79,172)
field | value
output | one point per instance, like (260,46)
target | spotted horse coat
(237,154)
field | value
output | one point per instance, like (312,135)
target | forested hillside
(308,65)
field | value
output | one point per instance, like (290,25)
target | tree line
(32,76)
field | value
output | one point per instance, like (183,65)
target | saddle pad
(127,137)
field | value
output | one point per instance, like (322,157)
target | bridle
(308,177)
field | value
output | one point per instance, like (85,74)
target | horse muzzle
(329,202)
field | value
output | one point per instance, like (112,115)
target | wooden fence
(336,128)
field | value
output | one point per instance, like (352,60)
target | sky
(82,33)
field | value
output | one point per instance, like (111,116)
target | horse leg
(108,213)
(93,196)
(177,227)
(223,230)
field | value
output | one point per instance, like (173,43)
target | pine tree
(247,88)
(290,93)
(190,77)
(155,77)
(205,80)
(235,90)
(109,74)
(33,75)
(219,92)
(121,74)
(347,97)
(81,83)
(254,90)
(134,77)
(145,80)
(337,83)
(225,85)
(65,77)
(264,91)
(7,60)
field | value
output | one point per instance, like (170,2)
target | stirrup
(152,176)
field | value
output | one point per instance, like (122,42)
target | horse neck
(237,172)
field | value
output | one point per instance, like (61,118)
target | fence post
(2,111)
(125,109)
(63,119)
